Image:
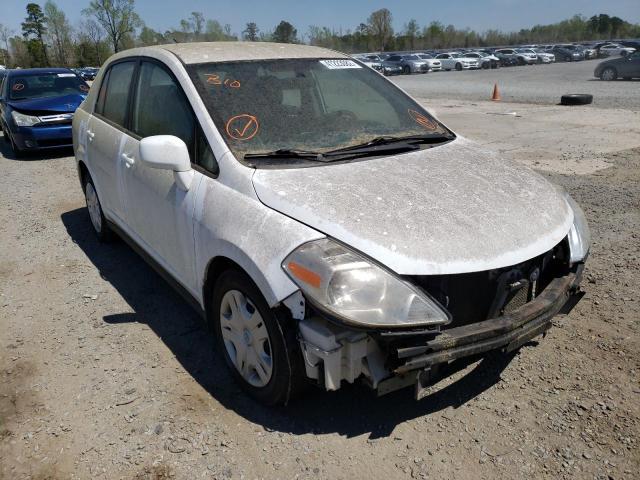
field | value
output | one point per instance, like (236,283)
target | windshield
(411,57)
(456,55)
(425,56)
(31,86)
(306,104)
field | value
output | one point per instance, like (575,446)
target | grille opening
(478,296)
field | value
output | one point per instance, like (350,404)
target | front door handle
(90,135)
(128,160)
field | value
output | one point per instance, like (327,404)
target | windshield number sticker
(242,127)
(339,64)
(66,75)
(423,120)
(84,88)
(17,87)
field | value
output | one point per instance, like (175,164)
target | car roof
(37,71)
(204,52)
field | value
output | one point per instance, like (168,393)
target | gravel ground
(541,84)
(106,373)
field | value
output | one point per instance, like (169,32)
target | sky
(479,15)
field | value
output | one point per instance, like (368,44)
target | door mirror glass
(165,152)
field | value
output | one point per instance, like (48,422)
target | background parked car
(544,56)
(521,58)
(37,107)
(409,63)
(486,60)
(434,64)
(614,50)
(88,73)
(458,61)
(564,54)
(627,67)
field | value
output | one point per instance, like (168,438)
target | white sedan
(458,61)
(614,49)
(327,227)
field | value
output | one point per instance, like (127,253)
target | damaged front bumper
(332,354)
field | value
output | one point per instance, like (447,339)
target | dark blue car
(37,106)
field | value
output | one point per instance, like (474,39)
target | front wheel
(258,348)
(608,74)
(458,66)
(406,70)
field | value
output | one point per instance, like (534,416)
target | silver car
(327,227)
(409,63)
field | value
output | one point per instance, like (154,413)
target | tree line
(48,39)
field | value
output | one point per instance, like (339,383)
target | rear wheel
(259,348)
(96,215)
(608,74)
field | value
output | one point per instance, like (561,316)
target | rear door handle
(128,160)
(90,135)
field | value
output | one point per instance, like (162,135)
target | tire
(576,99)
(458,66)
(96,215)
(608,74)
(521,61)
(406,70)
(249,333)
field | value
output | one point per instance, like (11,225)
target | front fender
(233,225)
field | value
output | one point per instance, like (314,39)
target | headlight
(579,235)
(356,291)
(22,120)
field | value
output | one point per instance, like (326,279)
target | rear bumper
(416,363)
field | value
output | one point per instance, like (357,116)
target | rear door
(159,213)
(105,135)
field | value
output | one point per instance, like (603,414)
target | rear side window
(161,107)
(116,98)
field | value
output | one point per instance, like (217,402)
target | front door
(159,213)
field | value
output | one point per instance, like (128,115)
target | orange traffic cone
(496,94)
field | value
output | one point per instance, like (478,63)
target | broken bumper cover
(505,333)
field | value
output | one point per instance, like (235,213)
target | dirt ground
(105,372)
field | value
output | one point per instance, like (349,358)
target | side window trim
(123,128)
(198,133)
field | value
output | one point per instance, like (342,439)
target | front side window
(116,97)
(161,107)
(29,86)
(306,104)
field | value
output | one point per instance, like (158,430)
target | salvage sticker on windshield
(338,64)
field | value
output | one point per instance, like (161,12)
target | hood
(63,104)
(449,209)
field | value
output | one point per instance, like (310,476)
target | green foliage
(285,33)
(33,30)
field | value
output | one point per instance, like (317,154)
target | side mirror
(167,152)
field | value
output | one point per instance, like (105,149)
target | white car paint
(450,60)
(614,49)
(452,208)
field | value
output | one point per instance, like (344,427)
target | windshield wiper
(374,144)
(287,153)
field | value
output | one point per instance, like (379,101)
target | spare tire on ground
(576,99)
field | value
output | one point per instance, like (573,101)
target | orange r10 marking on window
(423,120)
(232,83)
(213,79)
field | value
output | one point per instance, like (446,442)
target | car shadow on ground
(353,410)
(6,152)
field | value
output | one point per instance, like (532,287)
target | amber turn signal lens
(304,274)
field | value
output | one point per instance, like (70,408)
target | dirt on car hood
(453,208)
